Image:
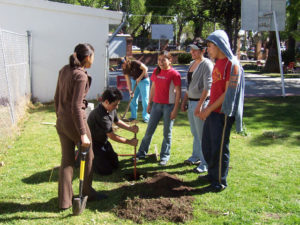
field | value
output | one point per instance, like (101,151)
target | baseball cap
(197,45)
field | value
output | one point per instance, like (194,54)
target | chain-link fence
(14,79)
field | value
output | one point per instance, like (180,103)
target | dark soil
(163,196)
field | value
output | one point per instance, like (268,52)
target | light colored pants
(143,89)
(196,125)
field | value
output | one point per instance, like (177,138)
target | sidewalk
(256,85)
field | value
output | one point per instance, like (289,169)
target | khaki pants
(68,138)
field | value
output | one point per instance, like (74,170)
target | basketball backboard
(254,14)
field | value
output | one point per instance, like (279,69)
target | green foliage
(184,58)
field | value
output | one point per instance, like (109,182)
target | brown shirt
(135,70)
(69,100)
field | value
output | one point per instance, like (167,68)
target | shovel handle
(127,108)
(81,173)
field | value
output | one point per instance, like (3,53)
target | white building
(56,29)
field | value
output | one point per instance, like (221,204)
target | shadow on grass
(278,116)
(12,207)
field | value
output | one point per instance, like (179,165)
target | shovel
(80,202)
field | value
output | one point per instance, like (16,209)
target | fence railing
(15,88)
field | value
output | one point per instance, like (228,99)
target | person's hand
(197,112)
(138,80)
(85,141)
(204,114)
(131,94)
(133,142)
(183,107)
(149,108)
(173,114)
(135,129)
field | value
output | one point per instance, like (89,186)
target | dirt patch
(161,197)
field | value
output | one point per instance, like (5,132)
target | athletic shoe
(216,188)
(131,119)
(163,162)
(199,170)
(145,120)
(189,162)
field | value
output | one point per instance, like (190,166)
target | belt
(197,99)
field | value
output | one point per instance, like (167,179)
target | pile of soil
(163,196)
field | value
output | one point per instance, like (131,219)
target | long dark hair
(81,51)
(167,55)
(128,64)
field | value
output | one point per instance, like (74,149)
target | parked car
(251,53)
(135,48)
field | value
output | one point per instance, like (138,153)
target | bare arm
(177,100)
(128,82)
(152,90)
(207,111)
(125,126)
(144,68)
(200,102)
(184,102)
(123,140)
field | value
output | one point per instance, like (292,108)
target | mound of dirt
(161,197)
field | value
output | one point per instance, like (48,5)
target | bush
(184,58)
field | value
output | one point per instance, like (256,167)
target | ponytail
(81,51)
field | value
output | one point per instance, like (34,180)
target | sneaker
(131,119)
(189,162)
(199,170)
(216,188)
(138,158)
(163,162)
(145,120)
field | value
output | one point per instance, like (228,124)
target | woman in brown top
(71,125)
(135,73)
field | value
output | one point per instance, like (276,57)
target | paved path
(256,85)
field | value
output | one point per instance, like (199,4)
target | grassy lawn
(264,179)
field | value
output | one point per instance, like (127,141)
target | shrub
(184,58)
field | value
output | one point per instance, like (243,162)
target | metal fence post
(29,39)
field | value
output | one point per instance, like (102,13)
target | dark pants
(68,138)
(105,159)
(215,146)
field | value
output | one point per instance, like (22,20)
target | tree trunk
(198,28)
(179,34)
(272,65)
(236,34)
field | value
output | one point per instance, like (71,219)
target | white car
(135,48)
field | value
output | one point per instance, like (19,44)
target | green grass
(264,179)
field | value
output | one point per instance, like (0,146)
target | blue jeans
(196,125)
(157,112)
(143,89)
(215,146)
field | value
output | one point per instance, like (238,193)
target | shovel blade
(79,205)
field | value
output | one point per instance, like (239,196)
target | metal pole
(279,54)
(29,39)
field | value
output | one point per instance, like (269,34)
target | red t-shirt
(165,83)
(220,75)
